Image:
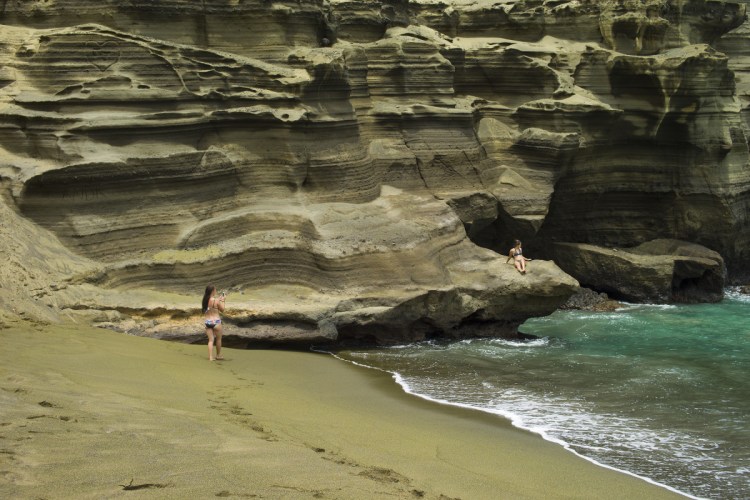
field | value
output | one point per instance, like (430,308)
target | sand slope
(85,412)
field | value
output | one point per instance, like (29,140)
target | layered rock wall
(359,151)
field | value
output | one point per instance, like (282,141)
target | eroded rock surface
(335,163)
(658,271)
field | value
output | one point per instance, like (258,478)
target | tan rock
(659,271)
(337,161)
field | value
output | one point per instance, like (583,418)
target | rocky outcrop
(34,272)
(586,299)
(659,271)
(345,158)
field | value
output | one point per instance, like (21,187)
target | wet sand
(87,413)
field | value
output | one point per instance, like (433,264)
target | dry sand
(88,413)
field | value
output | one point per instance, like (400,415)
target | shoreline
(512,419)
(89,413)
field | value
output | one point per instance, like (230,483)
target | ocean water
(662,392)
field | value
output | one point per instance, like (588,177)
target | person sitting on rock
(212,306)
(519,261)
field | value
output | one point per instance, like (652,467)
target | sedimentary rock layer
(659,271)
(361,150)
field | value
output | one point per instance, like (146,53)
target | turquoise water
(662,392)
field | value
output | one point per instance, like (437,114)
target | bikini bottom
(210,323)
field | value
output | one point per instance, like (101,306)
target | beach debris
(143,486)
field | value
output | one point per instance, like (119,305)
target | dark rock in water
(586,299)
(659,271)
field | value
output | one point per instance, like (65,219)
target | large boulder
(659,271)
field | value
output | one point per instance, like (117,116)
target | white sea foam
(734,293)
(665,307)
(545,422)
(398,347)
(598,316)
(521,344)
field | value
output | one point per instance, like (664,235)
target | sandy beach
(87,413)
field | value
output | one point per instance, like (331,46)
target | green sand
(85,413)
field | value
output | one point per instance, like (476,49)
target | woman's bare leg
(210,333)
(218,341)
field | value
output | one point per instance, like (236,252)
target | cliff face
(336,161)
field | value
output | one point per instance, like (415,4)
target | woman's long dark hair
(206,296)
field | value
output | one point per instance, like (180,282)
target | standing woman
(212,306)
(519,261)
